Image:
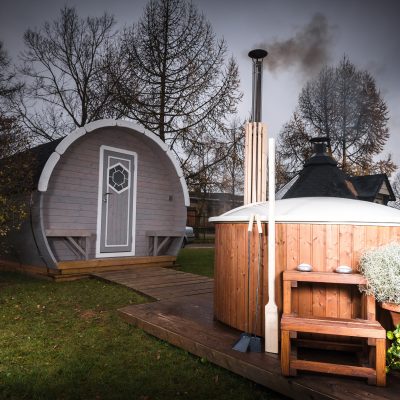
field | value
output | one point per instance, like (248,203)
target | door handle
(105,196)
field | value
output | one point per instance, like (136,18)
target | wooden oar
(271,309)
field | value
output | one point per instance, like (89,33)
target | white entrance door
(116,203)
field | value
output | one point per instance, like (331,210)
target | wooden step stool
(363,328)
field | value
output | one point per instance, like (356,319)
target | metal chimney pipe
(257,56)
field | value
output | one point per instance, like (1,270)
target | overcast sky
(367,31)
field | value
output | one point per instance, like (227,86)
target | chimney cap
(257,54)
(321,139)
(320,155)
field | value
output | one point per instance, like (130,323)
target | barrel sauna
(322,231)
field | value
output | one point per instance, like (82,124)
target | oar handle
(258,218)
(251,222)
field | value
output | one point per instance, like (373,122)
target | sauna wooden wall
(323,246)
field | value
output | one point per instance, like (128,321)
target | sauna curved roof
(50,153)
(317,210)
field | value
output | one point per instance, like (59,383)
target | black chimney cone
(257,56)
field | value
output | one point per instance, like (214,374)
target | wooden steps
(331,326)
(369,329)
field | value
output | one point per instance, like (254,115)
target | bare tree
(293,148)
(179,83)
(65,66)
(231,169)
(16,165)
(8,85)
(207,152)
(343,104)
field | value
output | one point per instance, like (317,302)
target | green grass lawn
(197,261)
(66,341)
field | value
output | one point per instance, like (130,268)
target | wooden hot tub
(323,231)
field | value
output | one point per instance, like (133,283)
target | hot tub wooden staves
(324,246)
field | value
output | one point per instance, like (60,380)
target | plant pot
(394,310)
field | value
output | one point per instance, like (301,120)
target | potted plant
(381,267)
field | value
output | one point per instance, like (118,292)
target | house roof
(68,140)
(368,186)
(321,177)
(37,157)
(47,155)
(40,155)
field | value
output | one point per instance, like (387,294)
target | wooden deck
(184,318)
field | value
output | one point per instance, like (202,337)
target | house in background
(321,176)
(204,206)
(374,188)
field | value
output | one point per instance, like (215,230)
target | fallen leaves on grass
(89,314)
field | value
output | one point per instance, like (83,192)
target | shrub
(393,353)
(381,267)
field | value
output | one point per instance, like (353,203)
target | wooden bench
(70,235)
(156,245)
(368,328)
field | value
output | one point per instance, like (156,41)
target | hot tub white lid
(317,210)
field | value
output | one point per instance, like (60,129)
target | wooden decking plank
(161,279)
(161,286)
(184,294)
(170,273)
(137,269)
(171,295)
(146,270)
(99,262)
(178,288)
(130,276)
(177,291)
(167,284)
(127,267)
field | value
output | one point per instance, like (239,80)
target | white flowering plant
(381,268)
